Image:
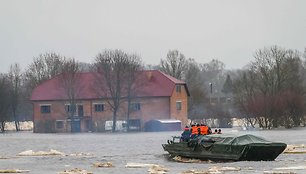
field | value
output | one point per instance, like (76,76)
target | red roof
(154,83)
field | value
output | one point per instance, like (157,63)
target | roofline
(101,98)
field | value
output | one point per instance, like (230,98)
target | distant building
(159,96)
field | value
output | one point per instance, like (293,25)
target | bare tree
(133,66)
(15,77)
(70,81)
(244,95)
(277,88)
(43,67)
(112,67)
(4,101)
(196,87)
(174,64)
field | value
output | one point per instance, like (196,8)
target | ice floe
(75,171)
(13,171)
(295,149)
(156,169)
(138,165)
(188,160)
(52,152)
(106,165)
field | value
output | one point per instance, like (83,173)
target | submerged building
(158,96)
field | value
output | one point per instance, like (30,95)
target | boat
(225,147)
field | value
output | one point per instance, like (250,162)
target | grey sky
(229,30)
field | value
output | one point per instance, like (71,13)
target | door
(80,111)
(75,125)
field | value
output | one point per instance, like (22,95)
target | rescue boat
(225,147)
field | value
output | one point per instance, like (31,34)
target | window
(135,106)
(178,88)
(99,107)
(45,108)
(59,124)
(70,108)
(178,105)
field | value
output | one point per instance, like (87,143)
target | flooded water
(123,148)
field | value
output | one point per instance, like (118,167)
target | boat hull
(226,152)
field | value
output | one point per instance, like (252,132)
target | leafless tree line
(268,92)
(271,90)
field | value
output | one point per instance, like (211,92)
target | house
(159,96)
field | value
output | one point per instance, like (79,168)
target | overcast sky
(229,30)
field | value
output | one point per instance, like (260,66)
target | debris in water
(14,171)
(75,171)
(279,172)
(41,153)
(196,172)
(99,164)
(223,169)
(5,157)
(188,160)
(138,165)
(156,169)
(81,154)
(295,149)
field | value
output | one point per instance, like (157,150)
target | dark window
(99,107)
(45,109)
(70,108)
(178,88)
(59,124)
(178,105)
(135,106)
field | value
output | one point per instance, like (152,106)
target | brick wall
(179,97)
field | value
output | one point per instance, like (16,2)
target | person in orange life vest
(204,129)
(194,131)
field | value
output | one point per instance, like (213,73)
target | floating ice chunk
(107,164)
(295,149)
(291,168)
(81,154)
(14,171)
(40,153)
(156,169)
(279,172)
(75,171)
(196,172)
(186,160)
(138,165)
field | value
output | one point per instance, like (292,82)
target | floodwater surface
(84,149)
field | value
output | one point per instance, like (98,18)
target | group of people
(196,130)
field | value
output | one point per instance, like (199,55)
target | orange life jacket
(204,130)
(194,130)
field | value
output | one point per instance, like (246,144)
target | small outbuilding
(162,125)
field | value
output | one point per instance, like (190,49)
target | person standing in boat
(205,130)
(186,134)
(194,131)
